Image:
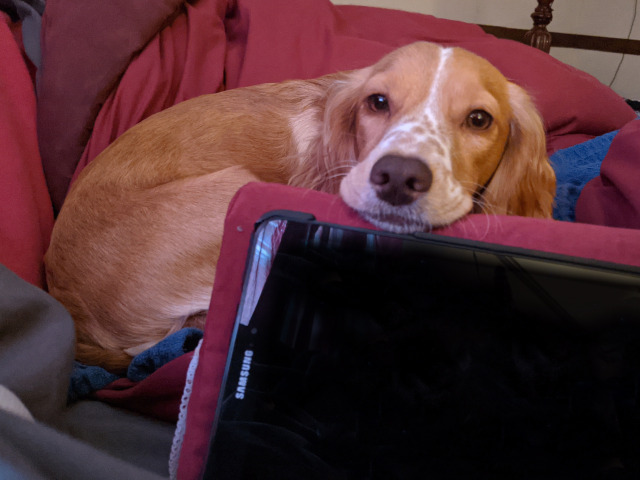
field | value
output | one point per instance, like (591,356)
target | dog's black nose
(400,180)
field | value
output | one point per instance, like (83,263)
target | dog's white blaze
(432,111)
(423,126)
(431,107)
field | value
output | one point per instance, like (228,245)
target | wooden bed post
(539,37)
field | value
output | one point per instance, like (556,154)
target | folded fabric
(26,216)
(36,346)
(87,379)
(10,402)
(613,198)
(156,396)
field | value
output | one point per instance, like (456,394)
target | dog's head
(433,134)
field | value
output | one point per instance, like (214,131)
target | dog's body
(418,140)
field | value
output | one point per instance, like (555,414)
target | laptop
(361,354)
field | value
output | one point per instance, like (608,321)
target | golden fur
(134,249)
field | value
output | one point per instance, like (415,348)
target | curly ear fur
(336,149)
(339,126)
(331,115)
(524,183)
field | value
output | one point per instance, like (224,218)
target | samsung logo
(241,388)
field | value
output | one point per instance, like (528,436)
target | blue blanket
(86,379)
(575,167)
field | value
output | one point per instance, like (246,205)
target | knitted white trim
(181,426)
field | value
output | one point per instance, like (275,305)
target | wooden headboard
(540,37)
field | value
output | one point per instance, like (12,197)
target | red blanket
(107,65)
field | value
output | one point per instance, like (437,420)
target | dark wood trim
(516,34)
(570,40)
(539,37)
(602,44)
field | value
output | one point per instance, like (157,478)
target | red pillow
(252,41)
(26,216)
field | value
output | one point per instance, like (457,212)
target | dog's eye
(378,103)
(479,120)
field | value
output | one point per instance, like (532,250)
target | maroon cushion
(86,46)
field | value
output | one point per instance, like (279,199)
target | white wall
(610,18)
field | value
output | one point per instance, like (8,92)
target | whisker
(333,173)
(486,208)
(480,200)
(339,168)
(429,227)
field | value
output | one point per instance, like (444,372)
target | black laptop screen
(362,355)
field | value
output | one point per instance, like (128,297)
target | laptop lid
(362,354)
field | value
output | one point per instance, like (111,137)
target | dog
(418,140)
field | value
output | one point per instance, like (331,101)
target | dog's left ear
(341,109)
(334,148)
(337,146)
(524,183)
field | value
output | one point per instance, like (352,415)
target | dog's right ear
(524,183)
